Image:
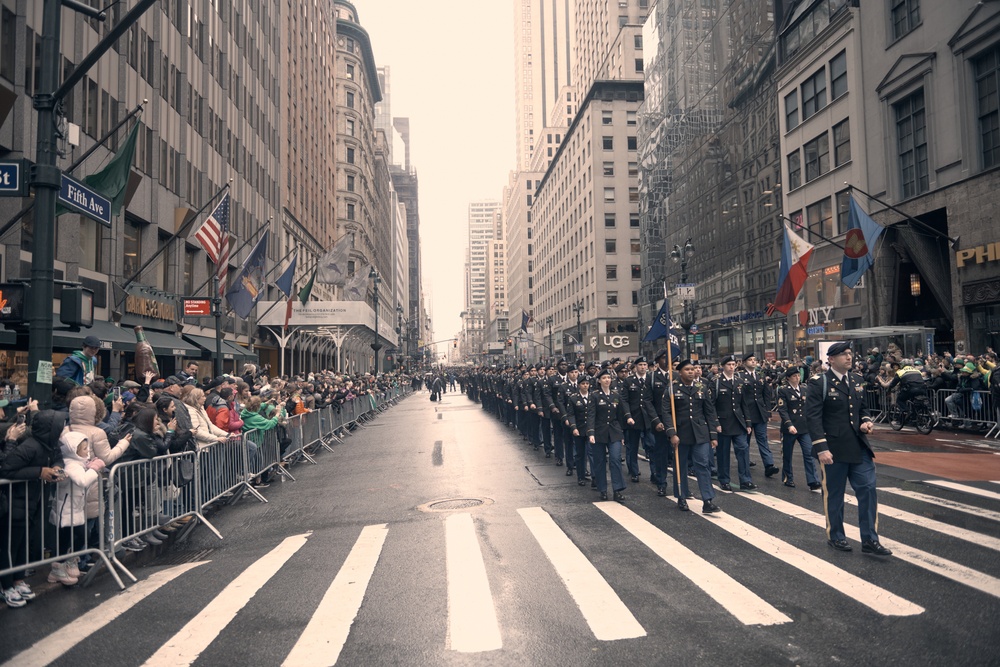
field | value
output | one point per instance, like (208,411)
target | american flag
(213,235)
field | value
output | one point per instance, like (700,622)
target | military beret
(684,363)
(641,360)
(605,364)
(604,371)
(584,378)
(727,359)
(562,361)
(591,365)
(660,355)
(839,348)
(748,356)
(793,370)
(622,369)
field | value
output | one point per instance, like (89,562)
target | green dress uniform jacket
(695,410)
(835,411)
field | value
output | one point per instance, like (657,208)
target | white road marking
(943,502)
(941,566)
(982,540)
(472,618)
(748,607)
(326,633)
(963,488)
(608,617)
(872,596)
(57,644)
(185,646)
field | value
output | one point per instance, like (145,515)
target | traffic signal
(454,343)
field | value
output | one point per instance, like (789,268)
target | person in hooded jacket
(15,593)
(68,509)
(85,413)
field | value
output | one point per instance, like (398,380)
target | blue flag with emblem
(284,282)
(249,284)
(662,327)
(859,244)
(525,319)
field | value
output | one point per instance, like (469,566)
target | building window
(609,194)
(633,220)
(633,194)
(611,272)
(630,118)
(633,169)
(350,100)
(350,72)
(612,298)
(350,128)
(841,143)
(814,94)
(131,248)
(350,211)
(350,182)
(838,75)
(609,220)
(606,117)
(911,142)
(843,208)
(608,143)
(637,40)
(350,156)
(189,255)
(8,29)
(905,17)
(609,168)
(794,170)
(819,218)
(632,143)
(635,246)
(636,272)
(987,69)
(817,155)
(791,110)
(638,65)
(610,246)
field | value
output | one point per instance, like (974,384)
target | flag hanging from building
(859,244)
(307,290)
(112,181)
(214,231)
(332,267)
(525,320)
(356,288)
(285,280)
(249,284)
(792,270)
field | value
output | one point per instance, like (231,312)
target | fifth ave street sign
(78,197)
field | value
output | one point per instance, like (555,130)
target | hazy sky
(452,73)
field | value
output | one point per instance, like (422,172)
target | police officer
(734,427)
(839,425)
(757,411)
(607,413)
(694,432)
(795,428)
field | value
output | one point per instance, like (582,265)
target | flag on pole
(284,281)
(288,311)
(663,327)
(356,288)
(859,245)
(792,270)
(525,320)
(112,181)
(249,284)
(307,290)
(213,235)
(332,267)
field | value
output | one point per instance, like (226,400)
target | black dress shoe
(840,545)
(710,508)
(815,486)
(604,495)
(558,461)
(593,483)
(875,549)
(635,478)
(747,486)
(753,464)
(662,492)
(682,505)
(789,483)
(726,487)
(548,455)
(619,497)
(536,448)
(582,482)
(771,471)
(569,472)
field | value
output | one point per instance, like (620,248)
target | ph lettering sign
(981,254)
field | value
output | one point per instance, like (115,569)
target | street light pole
(548,321)
(683,255)
(578,309)
(376,346)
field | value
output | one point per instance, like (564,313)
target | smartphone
(20,419)
(117,391)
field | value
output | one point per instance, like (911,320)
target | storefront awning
(115,338)
(169,345)
(229,350)
(242,352)
(879,332)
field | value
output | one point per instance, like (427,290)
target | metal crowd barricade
(147,494)
(328,417)
(296,450)
(224,470)
(268,453)
(877,402)
(29,538)
(964,416)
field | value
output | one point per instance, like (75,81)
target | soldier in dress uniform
(839,425)
(550,388)
(578,403)
(795,428)
(734,427)
(693,432)
(659,382)
(607,415)
(639,394)
(757,411)
(563,384)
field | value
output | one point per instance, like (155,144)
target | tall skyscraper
(482,230)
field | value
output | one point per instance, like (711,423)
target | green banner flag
(307,290)
(112,181)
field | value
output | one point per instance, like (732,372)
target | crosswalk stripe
(943,502)
(748,607)
(957,532)
(326,633)
(51,648)
(872,596)
(472,618)
(942,566)
(605,613)
(963,488)
(185,646)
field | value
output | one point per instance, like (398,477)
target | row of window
(816,154)
(813,91)
(611,272)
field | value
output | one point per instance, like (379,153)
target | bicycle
(917,411)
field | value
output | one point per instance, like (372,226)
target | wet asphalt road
(419,452)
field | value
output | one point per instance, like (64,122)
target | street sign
(685,290)
(197,307)
(14,179)
(694,328)
(578,348)
(80,198)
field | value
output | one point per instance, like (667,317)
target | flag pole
(910,218)
(670,390)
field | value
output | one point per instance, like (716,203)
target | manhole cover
(452,504)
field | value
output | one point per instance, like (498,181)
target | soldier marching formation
(583,414)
